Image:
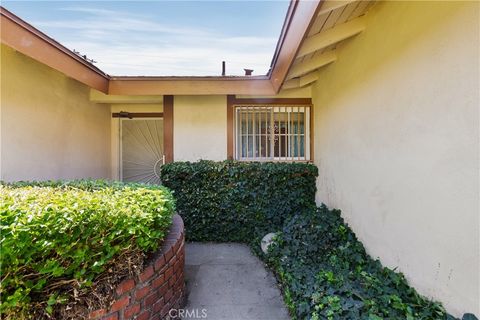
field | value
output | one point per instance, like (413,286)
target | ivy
(324,271)
(329,275)
(238,201)
(55,233)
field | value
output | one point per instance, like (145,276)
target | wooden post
(230,126)
(168,127)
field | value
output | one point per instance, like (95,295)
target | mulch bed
(81,301)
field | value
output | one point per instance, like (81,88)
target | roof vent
(248,72)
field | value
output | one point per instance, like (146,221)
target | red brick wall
(159,288)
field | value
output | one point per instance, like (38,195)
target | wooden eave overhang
(30,41)
(257,85)
(336,22)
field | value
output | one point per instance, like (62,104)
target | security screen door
(141,149)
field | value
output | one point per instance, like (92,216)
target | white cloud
(131,44)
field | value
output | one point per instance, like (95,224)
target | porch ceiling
(336,22)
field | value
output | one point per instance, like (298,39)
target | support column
(168,128)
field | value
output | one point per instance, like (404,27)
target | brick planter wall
(159,288)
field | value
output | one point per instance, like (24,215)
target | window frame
(233,104)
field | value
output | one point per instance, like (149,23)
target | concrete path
(226,282)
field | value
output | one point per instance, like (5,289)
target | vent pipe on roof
(248,72)
(223,68)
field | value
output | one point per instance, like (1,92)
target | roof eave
(23,37)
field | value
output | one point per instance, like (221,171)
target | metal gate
(141,150)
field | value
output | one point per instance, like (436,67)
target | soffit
(335,23)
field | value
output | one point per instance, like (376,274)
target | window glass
(272,133)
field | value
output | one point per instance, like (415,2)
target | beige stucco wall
(397,143)
(200,128)
(49,128)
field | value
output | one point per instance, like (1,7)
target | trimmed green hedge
(57,232)
(238,201)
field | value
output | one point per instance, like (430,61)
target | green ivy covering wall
(238,201)
(324,271)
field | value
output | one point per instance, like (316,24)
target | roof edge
(299,18)
(23,37)
(195,78)
(25,25)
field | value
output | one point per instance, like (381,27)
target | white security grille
(141,150)
(272,133)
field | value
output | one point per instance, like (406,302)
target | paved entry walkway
(226,282)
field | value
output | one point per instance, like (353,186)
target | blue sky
(162,37)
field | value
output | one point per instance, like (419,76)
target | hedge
(56,233)
(238,201)
(323,269)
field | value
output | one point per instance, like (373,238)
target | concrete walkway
(226,282)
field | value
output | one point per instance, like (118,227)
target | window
(266,132)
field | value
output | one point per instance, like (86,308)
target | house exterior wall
(397,143)
(396,138)
(49,128)
(199,128)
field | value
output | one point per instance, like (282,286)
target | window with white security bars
(268,133)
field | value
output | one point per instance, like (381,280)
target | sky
(163,38)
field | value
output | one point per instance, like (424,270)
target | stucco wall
(199,128)
(49,128)
(397,143)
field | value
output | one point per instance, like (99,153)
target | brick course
(159,287)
